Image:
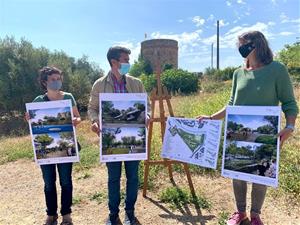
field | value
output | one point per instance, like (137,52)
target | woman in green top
(51,81)
(261,82)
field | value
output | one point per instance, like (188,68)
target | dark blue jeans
(65,180)
(114,176)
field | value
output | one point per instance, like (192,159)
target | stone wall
(164,50)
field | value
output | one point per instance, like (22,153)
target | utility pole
(212,55)
(218,46)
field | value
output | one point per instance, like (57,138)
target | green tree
(19,66)
(107,106)
(180,81)
(140,67)
(108,139)
(290,56)
(142,134)
(149,81)
(139,106)
(44,140)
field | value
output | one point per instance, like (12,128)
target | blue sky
(90,27)
(250,121)
(125,104)
(41,113)
(125,132)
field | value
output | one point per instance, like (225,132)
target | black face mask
(246,49)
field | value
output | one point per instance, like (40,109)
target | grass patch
(223,217)
(99,197)
(85,175)
(12,149)
(76,200)
(178,198)
(89,154)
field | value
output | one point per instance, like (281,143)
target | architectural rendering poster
(123,126)
(251,147)
(191,141)
(52,132)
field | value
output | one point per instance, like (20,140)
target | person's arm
(76,116)
(76,119)
(93,108)
(286,96)
(286,132)
(216,116)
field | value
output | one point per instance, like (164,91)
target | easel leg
(146,174)
(188,175)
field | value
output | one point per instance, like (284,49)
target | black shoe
(113,220)
(51,220)
(130,219)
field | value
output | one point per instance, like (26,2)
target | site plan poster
(192,141)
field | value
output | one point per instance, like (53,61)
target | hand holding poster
(52,132)
(123,126)
(251,147)
(191,141)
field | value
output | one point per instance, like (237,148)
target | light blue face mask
(125,67)
(55,85)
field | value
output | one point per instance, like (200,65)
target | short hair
(45,72)
(115,53)
(263,53)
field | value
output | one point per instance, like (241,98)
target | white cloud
(180,20)
(135,49)
(286,33)
(271,23)
(228,3)
(240,2)
(183,38)
(222,23)
(211,17)
(198,21)
(229,39)
(283,18)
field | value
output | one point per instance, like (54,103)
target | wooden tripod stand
(161,94)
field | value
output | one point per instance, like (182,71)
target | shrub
(265,139)
(180,81)
(149,81)
(220,75)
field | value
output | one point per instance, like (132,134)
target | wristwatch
(290,126)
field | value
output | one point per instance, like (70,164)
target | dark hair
(45,72)
(263,53)
(115,53)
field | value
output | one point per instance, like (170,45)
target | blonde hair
(263,53)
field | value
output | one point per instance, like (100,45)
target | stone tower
(165,50)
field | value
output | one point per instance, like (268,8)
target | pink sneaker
(256,221)
(236,218)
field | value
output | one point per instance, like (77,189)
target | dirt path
(22,200)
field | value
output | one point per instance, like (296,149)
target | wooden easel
(160,94)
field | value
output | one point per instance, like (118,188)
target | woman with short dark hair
(50,79)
